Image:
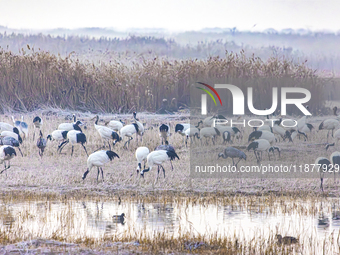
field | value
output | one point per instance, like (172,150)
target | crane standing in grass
(60,136)
(261,145)
(99,159)
(7,152)
(15,135)
(166,147)
(37,122)
(164,132)
(41,144)
(115,125)
(141,155)
(70,126)
(323,165)
(75,137)
(22,126)
(231,152)
(106,133)
(8,140)
(158,158)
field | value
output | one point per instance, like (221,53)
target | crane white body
(70,126)
(141,156)
(11,134)
(115,125)
(99,159)
(330,125)
(75,137)
(255,135)
(209,132)
(157,158)
(260,146)
(193,133)
(7,152)
(6,127)
(106,133)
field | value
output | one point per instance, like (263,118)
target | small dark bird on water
(119,218)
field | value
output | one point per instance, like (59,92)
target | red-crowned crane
(106,133)
(60,136)
(7,152)
(329,124)
(261,145)
(75,137)
(164,132)
(255,135)
(158,158)
(115,125)
(70,126)
(22,126)
(166,147)
(8,140)
(191,132)
(37,122)
(15,135)
(209,132)
(141,156)
(99,159)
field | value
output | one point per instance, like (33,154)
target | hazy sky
(174,15)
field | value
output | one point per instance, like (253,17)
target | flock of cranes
(261,140)
(71,133)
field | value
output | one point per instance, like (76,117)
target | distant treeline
(34,79)
(320,49)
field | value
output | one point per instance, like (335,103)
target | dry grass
(36,79)
(62,174)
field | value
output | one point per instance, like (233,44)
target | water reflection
(98,219)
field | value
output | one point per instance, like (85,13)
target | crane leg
(72,151)
(172,168)
(158,173)
(233,161)
(5,168)
(163,171)
(238,161)
(62,147)
(84,149)
(97,173)
(101,169)
(20,152)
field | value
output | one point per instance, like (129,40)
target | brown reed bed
(37,79)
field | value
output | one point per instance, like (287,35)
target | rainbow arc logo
(209,93)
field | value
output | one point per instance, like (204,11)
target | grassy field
(61,174)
